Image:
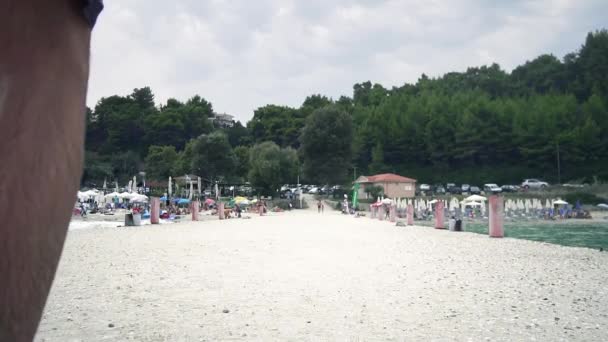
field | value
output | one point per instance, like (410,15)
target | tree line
(481,125)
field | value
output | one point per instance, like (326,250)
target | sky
(242,54)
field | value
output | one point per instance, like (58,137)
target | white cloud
(244,54)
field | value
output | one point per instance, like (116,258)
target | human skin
(44,67)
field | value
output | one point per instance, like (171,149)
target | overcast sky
(241,55)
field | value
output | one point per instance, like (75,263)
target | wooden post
(154,210)
(195,211)
(393,213)
(410,215)
(496,216)
(220,209)
(439,219)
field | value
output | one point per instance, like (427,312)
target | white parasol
(475,198)
(170,190)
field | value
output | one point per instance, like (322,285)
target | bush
(374,191)
(584,198)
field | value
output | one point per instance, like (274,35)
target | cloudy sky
(244,54)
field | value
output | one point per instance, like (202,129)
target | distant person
(319,204)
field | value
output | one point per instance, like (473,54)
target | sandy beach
(306,276)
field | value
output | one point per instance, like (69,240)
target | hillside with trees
(483,124)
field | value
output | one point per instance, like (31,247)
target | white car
(534,184)
(425,187)
(493,188)
(314,190)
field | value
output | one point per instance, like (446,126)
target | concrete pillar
(195,211)
(410,215)
(372,211)
(155,210)
(439,218)
(381,212)
(496,216)
(393,214)
(220,209)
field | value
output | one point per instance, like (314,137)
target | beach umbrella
(473,204)
(116,186)
(560,202)
(387,201)
(548,204)
(81,196)
(124,195)
(130,186)
(134,184)
(239,199)
(191,190)
(104,183)
(137,198)
(475,198)
(90,193)
(170,188)
(433,201)
(217,191)
(200,186)
(112,195)
(209,201)
(603,205)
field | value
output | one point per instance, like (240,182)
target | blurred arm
(44,62)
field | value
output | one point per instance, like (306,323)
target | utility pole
(559,168)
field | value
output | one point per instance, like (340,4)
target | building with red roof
(395,186)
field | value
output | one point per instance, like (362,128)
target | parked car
(533,183)
(449,185)
(455,190)
(313,191)
(425,187)
(439,190)
(474,190)
(465,188)
(492,188)
(510,188)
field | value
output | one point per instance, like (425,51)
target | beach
(324,277)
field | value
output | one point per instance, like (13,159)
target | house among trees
(394,186)
(223,120)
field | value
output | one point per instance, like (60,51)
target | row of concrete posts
(496,218)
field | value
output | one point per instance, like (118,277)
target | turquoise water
(578,234)
(575,233)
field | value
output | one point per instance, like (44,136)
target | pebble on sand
(225,311)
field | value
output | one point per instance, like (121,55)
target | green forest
(481,125)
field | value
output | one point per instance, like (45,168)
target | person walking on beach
(319,206)
(83,210)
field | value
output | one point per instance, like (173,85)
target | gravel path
(304,276)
